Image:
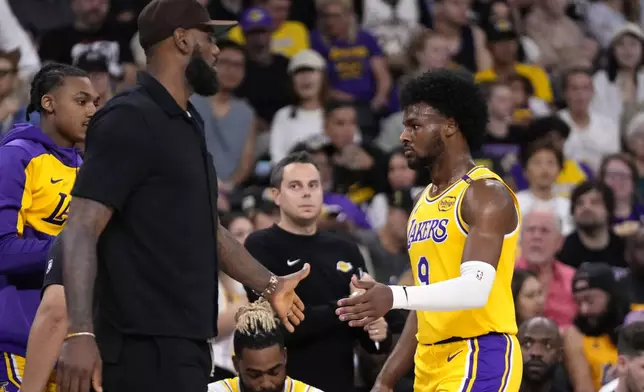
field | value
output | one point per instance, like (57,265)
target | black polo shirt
(157,258)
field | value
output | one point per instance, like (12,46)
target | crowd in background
(564,80)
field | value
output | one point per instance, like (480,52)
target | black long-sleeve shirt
(320,351)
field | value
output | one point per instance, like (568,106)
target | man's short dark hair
(455,95)
(630,341)
(277,175)
(589,186)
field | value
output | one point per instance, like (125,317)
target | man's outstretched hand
(288,306)
(367,307)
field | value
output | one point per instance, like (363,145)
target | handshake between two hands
(376,329)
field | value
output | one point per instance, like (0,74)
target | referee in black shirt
(143,224)
(320,351)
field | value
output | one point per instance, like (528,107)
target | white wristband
(400,297)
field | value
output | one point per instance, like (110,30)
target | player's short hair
(256,327)
(50,77)
(455,95)
(277,174)
(630,341)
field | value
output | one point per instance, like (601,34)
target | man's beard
(589,228)
(201,77)
(426,163)
(244,388)
(538,377)
(607,323)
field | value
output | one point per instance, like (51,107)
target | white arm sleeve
(469,291)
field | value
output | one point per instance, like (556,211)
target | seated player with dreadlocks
(260,355)
(38,167)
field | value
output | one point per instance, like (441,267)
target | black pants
(144,363)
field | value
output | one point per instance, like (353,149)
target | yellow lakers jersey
(601,354)
(36,182)
(46,195)
(232,385)
(436,235)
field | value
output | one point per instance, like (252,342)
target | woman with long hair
(619,173)
(305,117)
(528,294)
(399,177)
(621,85)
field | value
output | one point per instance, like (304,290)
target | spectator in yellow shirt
(288,38)
(503,45)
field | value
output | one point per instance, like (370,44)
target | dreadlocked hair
(256,327)
(50,77)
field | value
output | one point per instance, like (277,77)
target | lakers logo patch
(343,266)
(3,386)
(446,203)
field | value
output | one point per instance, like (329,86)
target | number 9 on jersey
(423,270)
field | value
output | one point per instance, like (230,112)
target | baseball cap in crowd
(307,59)
(92,61)
(500,30)
(627,29)
(160,18)
(594,276)
(255,18)
(401,199)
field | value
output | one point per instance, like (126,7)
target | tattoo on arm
(87,220)
(236,262)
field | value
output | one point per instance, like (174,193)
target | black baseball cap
(594,276)
(500,30)
(160,18)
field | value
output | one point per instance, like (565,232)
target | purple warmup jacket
(36,179)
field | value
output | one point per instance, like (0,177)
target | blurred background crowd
(564,80)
